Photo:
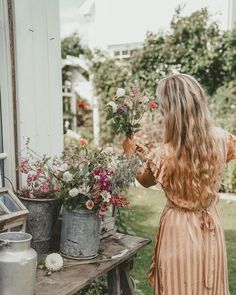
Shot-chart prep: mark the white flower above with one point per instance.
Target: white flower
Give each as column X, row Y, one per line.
column 109, row 151
column 111, row 165
column 67, row 176
column 74, row 192
column 120, row 92
column 54, row 262
column 63, row 167
column 145, row 99
column 106, row 196
column 113, row 105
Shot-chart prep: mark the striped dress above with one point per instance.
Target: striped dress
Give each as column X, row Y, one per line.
column 190, row 254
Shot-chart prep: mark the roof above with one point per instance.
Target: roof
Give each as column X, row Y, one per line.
column 77, row 62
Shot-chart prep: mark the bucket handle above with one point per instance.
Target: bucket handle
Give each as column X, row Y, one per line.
column 4, row 243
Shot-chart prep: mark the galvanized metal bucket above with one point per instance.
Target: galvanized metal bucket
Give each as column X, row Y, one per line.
column 18, row 263
column 41, row 219
column 80, row 234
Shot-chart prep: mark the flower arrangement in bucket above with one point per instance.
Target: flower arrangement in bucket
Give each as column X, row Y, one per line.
column 40, row 194
column 90, row 186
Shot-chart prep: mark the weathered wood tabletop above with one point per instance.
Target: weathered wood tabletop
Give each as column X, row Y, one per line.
column 73, row 278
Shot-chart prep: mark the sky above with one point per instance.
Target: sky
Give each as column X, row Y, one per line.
column 125, row 21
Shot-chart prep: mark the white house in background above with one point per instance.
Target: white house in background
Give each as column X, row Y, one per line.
column 232, row 14
column 124, row 50
column 75, row 68
column 81, row 87
column 30, row 80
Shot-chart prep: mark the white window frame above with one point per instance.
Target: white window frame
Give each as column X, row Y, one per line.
column 7, row 96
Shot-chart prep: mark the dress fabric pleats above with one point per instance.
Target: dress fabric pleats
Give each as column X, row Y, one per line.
column 190, row 254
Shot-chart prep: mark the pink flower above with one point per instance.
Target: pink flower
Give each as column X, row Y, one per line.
column 153, row 106
column 119, row 201
column 46, row 189
column 99, row 172
column 29, row 178
column 40, row 170
column 35, row 176
column 103, row 209
column 57, row 187
column 89, row 204
column 24, row 167
column 83, row 141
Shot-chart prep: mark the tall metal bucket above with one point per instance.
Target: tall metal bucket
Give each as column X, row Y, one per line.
column 41, row 219
column 80, row 234
column 18, row 263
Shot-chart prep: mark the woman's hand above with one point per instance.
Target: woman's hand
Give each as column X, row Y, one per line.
column 141, row 151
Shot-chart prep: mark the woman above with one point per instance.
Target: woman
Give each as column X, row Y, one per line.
column 190, row 255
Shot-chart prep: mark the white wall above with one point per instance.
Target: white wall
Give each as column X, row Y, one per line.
column 38, row 74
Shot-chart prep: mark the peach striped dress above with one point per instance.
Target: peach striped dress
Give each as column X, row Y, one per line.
column 190, row 254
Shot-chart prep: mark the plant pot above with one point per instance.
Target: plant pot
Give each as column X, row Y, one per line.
column 129, row 145
column 80, row 233
column 42, row 216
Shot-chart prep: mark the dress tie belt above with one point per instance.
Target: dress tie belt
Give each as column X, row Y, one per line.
column 208, row 227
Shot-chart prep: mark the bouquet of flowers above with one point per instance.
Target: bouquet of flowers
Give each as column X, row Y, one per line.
column 90, row 179
column 40, row 177
column 126, row 111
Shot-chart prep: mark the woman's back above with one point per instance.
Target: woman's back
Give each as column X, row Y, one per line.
column 158, row 159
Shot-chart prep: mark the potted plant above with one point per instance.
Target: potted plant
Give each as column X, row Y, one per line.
column 39, row 193
column 89, row 187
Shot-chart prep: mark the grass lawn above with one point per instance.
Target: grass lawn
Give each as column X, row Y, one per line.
column 147, row 205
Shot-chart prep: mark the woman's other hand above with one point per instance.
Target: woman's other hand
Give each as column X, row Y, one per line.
column 141, row 151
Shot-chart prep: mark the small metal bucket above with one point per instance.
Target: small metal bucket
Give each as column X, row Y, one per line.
column 80, row 234
column 41, row 219
column 18, row 264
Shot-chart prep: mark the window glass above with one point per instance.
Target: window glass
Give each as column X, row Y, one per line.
column 1, row 147
column 8, row 202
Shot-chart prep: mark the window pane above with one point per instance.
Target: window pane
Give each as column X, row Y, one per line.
column 2, row 183
column 11, row 206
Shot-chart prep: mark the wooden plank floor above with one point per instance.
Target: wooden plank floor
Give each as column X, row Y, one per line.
column 73, row 278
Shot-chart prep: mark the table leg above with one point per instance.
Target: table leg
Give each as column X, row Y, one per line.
column 126, row 283
column 113, row 280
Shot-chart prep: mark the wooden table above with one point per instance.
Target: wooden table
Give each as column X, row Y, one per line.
column 115, row 258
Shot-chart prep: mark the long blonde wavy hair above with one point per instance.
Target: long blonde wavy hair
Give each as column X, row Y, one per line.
column 193, row 168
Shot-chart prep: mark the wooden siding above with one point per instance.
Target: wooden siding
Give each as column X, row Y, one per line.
column 38, row 74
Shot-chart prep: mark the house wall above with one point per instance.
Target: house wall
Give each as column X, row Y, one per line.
column 37, row 78
column 38, row 74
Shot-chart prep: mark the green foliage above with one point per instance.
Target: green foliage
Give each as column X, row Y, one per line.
column 223, row 105
column 195, row 45
column 71, row 45
column 109, row 74
column 97, row 287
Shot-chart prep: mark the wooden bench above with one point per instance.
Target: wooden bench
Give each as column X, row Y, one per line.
column 115, row 259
